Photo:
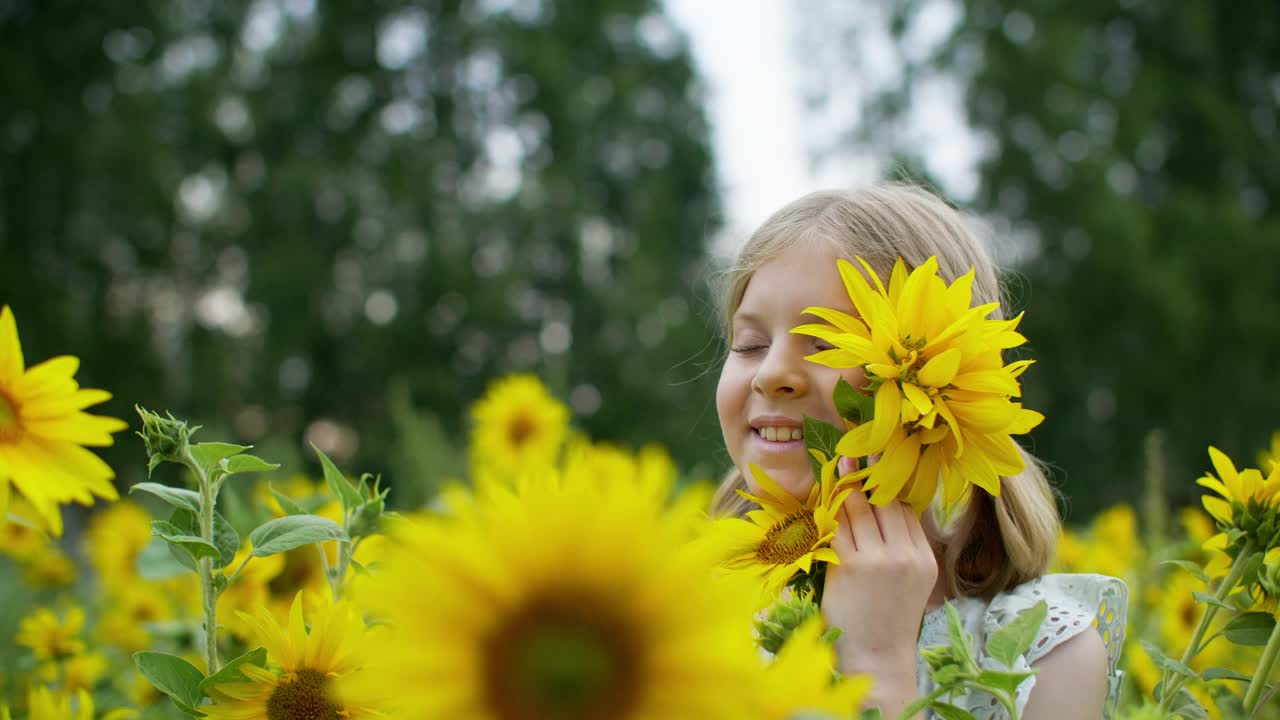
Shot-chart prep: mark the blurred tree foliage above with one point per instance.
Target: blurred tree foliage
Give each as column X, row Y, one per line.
column 1131, row 162
column 270, row 213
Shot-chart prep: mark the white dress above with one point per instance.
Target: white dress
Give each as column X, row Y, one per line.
column 1077, row 603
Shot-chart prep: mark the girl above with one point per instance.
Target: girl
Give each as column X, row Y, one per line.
column 896, row 570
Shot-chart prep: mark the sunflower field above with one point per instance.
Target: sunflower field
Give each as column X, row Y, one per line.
column 587, row 585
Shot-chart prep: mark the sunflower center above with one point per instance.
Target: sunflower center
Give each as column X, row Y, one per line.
column 788, row 540
column 10, row 423
column 303, row 695
column 522, row 428
column 562, row 660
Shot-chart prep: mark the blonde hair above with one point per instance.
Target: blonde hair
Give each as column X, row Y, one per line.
column 990, row 544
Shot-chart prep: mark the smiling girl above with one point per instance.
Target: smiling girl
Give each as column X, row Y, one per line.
column 897, row 569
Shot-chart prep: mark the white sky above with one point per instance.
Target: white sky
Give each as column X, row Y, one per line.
column 760, row 127
column 744, row 56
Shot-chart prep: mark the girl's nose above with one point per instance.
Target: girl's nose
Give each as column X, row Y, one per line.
column 780, row 375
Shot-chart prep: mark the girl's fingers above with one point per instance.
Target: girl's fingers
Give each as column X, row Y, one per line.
column 843, row 543
column 862, row 520
column 845, row 465
column 893, row 526
column 915, row 527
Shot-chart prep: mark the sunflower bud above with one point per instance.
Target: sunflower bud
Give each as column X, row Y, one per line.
column 783, row 619
column 1269, row 574
column 166, row 439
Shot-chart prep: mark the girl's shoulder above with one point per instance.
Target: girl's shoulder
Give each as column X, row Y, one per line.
column 1075, row 602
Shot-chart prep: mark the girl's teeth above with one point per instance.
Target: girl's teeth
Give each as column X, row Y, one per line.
column 781, row 434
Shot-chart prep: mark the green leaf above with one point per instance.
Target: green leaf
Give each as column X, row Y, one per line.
column 339, row 485
column 1217, row 673
column 177, row 497
column 947, row 711
column 173, row 676
column 157, row 562
column 1004, row 681
column 1207, row 599
column 1250, row 629
column 851, row 404
column 207, row 455
column 291, row 531
column 286, row 504
column 821, row 436
column 1196, row 571
column 231, row 671
column 225, row 537
column 194, row 545
column 1012, row 640
column 961, row 640
column 1164, row 661
column 1187, row 706
column 871, row 713
column 248, row 464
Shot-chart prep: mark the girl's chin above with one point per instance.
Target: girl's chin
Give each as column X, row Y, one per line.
column 797, row 482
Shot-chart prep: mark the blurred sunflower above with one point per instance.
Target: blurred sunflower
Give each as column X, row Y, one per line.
column 48, row 567
column 127, row 619
column 1248, row 509
column 81, row 672
column 45, row 704
column 112, row 542
column 517, row 425
column 784, row 536
column 51, row 637
column 942, row 390
column 305, row 660
column 250, row 590
column 802, row 679
column 43, row 431
column 559, row 597
column 22, row 531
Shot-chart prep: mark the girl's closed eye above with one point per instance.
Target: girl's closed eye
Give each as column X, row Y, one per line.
column 748, row 347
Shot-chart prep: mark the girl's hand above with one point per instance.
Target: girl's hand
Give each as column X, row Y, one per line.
column 878, row 594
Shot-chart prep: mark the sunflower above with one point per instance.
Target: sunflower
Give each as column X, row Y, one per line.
column 43, row 427
column 305, row 659
column 23, row 531
column 561, row 597
column 784, row 536
column 44, row 704
column 1248, row 510
column 801, row 680
column 48, row 567
column 942, row 391
column 517, row 424
column 51, row 637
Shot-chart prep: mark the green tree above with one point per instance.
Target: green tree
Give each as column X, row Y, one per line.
column 1131, row 154
column 264, row 212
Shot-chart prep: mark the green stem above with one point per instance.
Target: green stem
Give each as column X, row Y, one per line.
column 1265, row 665
column 914, row 708
column 209, row 594
column 1171, row 683
column 236, row 574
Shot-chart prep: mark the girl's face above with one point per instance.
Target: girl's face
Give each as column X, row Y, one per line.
column 766, row 386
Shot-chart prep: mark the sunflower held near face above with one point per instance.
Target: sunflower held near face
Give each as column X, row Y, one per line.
column 943, row 395
column 784, row 536
column 559, row 596
column 44, row 431
column 305, row 660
